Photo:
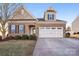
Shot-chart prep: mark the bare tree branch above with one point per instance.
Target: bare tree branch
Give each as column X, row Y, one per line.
column 6, row 10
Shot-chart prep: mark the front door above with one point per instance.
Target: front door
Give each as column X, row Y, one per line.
column 33, row 31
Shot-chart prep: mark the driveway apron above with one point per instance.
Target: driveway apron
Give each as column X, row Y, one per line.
column 56, row 47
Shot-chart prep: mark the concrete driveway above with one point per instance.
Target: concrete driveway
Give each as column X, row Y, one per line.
column 56, row 47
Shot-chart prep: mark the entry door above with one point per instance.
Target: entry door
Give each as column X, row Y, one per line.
column 51, row 32
column 33, row 31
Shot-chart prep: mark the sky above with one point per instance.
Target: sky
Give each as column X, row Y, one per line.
column 65, row 11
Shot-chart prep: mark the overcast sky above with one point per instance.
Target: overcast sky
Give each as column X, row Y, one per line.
column 65, row 11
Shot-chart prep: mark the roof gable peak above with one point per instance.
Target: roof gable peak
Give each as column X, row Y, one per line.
column 22, row 13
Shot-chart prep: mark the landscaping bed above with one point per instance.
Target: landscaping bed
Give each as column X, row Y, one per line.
column 19, row 37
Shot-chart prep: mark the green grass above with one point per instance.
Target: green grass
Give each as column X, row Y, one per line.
column 17, row 48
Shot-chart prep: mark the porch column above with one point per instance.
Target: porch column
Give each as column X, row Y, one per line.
column 17, row 29
column 9, row 29
column 37, row 31
column 27, row 29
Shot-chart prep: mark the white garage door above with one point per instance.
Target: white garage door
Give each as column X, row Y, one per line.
column 51, row 32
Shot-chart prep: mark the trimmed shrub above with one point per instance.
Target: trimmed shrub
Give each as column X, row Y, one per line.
column 0, row 38
column 77, row 32
column 32, row 37
column 67, row 34
column 25, row 37
column 9, row 38
column 18, row 37
column 74, row 33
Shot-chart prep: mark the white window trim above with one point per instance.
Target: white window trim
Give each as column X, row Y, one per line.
column 13, row 25
column 21, row 29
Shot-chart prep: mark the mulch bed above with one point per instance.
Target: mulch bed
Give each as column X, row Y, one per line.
column 1, row 40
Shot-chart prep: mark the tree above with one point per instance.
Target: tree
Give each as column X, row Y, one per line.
column 6, row 10
column 68, row 28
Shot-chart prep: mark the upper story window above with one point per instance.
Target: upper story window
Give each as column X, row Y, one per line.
column 21, row 28
column 13, row 28
column 50, row 16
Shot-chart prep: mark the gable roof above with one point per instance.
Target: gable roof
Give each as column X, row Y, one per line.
column 22, row 13
column 40, row 19
column 21, row 19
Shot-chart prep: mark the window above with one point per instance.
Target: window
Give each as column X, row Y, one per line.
column 53, row 28
column 47, row 27
column 50, row 16
column 41, row 28
column 59, row 28
column 13, row 28
column 53, row 16
column 21, row 28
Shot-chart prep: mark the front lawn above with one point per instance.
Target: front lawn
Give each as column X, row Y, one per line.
column 17, row 47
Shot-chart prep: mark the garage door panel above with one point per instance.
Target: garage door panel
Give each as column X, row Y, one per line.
column 51, row 32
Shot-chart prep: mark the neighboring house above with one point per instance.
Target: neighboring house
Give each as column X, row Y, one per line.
column 75, row 26
column 23, row 22
column 68, row 29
